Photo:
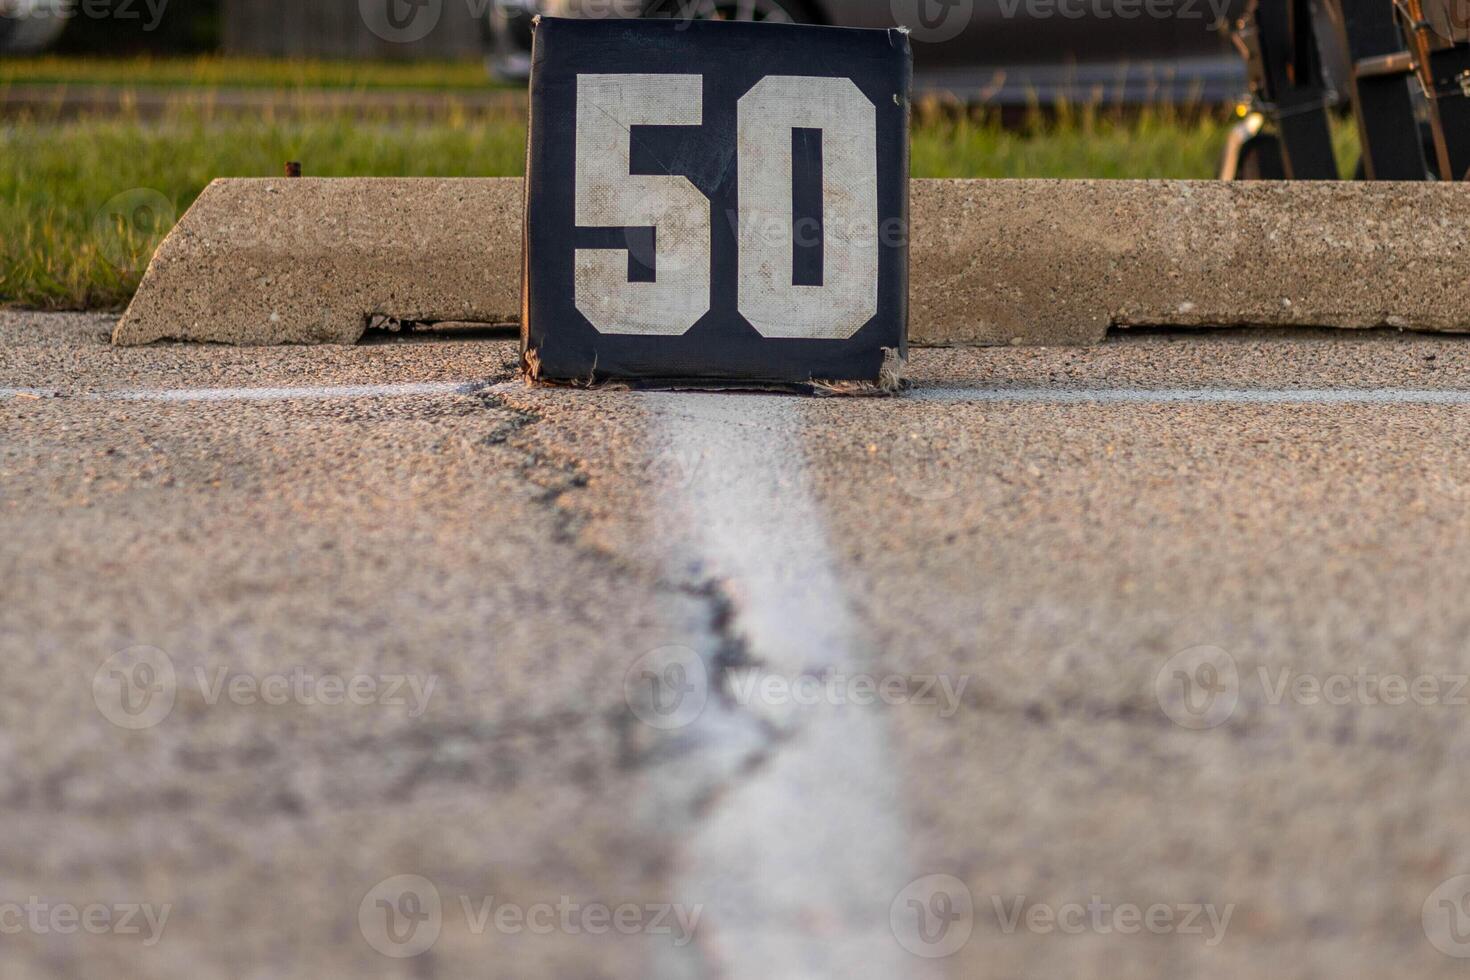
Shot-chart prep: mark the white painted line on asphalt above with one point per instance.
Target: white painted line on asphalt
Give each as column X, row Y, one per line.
column 816, row 834
column 1220, row 396
column 309, row 393
column 306, row 393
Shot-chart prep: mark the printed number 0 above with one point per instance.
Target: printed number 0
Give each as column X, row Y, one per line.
column 609, row 196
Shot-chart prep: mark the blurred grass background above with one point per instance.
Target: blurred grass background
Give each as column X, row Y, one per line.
column 213, row 70
column 73, row 237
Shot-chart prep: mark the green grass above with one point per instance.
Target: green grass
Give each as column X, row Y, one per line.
column 1072, row 144
column 243, row 73
column 83, row 203
column 62, row 246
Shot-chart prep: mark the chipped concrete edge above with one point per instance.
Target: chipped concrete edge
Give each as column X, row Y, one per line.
column 311, row 261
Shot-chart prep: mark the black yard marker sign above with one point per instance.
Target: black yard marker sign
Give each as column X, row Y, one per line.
column 712, row 202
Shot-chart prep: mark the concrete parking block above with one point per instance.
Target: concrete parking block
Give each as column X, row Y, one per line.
column 993, row 262
column 302, row 261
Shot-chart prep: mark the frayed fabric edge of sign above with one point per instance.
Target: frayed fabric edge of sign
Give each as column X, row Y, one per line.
column 891, row 381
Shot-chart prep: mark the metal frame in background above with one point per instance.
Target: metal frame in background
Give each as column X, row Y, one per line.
column 1406, row 76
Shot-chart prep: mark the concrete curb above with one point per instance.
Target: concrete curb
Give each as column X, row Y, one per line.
column 311, row 261
column 1057, row 262
column 993, row 262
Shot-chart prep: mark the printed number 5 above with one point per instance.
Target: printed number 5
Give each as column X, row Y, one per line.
column 608, row 195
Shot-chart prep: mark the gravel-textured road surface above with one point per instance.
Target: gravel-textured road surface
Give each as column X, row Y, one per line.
column 1143, row 660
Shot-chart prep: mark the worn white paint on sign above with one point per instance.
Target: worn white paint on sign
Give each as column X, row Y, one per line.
column 848, row 295
column 609, row 195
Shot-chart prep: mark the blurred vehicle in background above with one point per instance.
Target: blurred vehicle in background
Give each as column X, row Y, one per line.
column 30, row 26
column 1003, row 52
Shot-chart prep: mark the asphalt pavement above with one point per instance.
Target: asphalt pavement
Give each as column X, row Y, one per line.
column 1146, row 659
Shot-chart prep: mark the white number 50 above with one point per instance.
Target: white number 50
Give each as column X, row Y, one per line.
column 608, row 195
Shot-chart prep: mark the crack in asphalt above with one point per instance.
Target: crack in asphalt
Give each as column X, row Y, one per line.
column 729, row 651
